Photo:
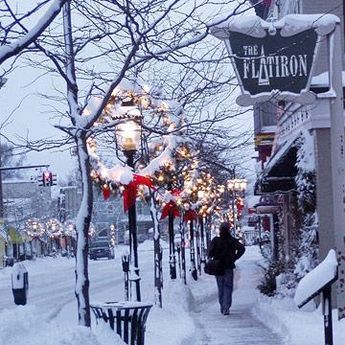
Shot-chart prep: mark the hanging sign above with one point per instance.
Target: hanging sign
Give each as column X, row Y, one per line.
column 274, row 59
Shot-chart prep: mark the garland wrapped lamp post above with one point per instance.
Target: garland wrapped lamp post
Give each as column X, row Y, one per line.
column 128, row 135
column 171, row 211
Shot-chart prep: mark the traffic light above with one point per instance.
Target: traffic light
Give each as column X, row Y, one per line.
column 47, row 179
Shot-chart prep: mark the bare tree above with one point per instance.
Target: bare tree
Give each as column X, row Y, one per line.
column 9, row 158
column 97, row 45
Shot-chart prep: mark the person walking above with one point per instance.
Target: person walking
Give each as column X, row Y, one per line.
column 227, row 249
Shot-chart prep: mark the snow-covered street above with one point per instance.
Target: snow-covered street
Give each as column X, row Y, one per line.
column 190, row 314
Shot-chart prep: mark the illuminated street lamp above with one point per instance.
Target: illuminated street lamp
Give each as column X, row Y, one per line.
column 236, row 186
column 128, row 137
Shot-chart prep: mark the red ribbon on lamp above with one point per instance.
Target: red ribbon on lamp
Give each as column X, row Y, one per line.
column 106, row 192
column 170, row 207
column 131, row 190
column 176, row 192
column 190, row 215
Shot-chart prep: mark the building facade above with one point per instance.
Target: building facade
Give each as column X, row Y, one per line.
column 22, row 200
column 299, row 163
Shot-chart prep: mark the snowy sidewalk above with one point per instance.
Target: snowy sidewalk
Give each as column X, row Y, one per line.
column 240, row 327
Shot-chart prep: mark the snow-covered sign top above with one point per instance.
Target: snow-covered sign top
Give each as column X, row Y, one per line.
column 312, row 284
column 274, row 59
column 291, row 24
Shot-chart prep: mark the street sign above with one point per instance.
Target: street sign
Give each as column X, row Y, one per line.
column 274, row 59
column 273, row 62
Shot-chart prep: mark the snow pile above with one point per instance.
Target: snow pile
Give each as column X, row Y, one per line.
column 172, row 325
column 26, row 325
column 300, row 327
column 54, row 322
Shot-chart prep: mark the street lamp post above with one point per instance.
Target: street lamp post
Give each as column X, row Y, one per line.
column 132, row 226
column 128, row 134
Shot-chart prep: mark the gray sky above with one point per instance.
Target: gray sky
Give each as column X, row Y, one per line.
column 33, row 116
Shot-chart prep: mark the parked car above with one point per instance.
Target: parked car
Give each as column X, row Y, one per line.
column 101, row 249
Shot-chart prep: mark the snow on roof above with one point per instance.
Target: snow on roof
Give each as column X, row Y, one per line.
column 17, row 201
column 291, row 24
column 323, row 79
column 315, row 280
column 252, row 200
column 281, row 152
column 308, row 161
column 13, row 181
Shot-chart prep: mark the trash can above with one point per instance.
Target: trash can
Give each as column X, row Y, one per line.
column 20, row 283
column 127, row 319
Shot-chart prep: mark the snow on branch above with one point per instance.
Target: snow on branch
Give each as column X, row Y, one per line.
column 12, row 49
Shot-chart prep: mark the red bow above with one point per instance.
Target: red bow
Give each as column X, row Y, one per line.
column 190, row 215
column 106, row 192
column 130, row 192
column 239, row 205
column 170, row 207
column 175, row 192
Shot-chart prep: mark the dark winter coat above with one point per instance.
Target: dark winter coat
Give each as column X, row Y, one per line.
column 228, row 249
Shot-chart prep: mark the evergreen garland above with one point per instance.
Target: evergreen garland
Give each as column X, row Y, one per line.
column 307, row 254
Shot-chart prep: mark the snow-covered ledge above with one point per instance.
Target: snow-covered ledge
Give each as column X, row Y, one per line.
column 316, row 280
column 291, row 24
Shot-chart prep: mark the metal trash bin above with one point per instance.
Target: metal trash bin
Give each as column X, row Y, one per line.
column 127, row 319
column 20, row 283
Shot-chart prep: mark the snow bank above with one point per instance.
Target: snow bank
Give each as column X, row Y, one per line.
column 26, row 325
column 172, row 325
column 299, row 327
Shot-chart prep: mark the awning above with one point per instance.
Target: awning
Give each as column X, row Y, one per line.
column 14, row 236
column 264, row 209
column 280, row 171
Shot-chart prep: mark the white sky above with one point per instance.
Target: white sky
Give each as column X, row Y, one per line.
column 33, row 118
